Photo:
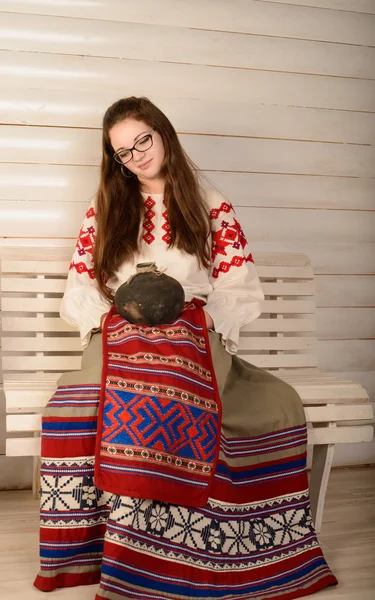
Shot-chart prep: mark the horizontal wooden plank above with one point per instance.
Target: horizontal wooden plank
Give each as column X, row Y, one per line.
column 243, row 16
column 266, row 272
column 114, row 39
column 356, row 6
column 347, row 355
column 36, row 363
column 321, row 414
column 30, row 106
column 37, row 324
column 335, row 393
column 266, row 361
column 345, row 291
column 289, row 306
column 23, row 400
column 83, row 146
column 23, row 423
column 283, row 343
column 327, row 257
column 340, row 435
column 41, row 344
column 304, row 191
column 33, row 422
column 338, row 323
column 364, row 378
column 31, row 446
column 41, row 266
column 35, row 305
column 28, row 284
column 305, row 288
column 23, row 446
column 122, row 77
column 286, row 324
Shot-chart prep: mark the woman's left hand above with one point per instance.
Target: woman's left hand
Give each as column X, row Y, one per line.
column 209, row 321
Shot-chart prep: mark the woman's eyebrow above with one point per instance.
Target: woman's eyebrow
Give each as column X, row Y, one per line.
column 139, row 135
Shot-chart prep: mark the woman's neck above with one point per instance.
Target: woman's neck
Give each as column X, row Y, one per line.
column 153, row 187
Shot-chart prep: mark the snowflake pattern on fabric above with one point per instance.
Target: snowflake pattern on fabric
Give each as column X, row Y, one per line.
column 148, row 224
column 229, row 236
column 196, row 530
column 85, row 245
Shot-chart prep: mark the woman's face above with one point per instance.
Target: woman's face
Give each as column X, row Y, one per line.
column 145, row 164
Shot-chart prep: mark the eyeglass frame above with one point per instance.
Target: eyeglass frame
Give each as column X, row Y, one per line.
column 118, row 160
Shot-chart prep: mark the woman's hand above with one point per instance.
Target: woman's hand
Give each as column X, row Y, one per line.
column 209, row 321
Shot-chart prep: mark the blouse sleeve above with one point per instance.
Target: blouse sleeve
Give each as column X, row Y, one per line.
column 237, row 296
column 82, row 304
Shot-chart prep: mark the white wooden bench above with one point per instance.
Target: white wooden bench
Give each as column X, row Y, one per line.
column 37, row 346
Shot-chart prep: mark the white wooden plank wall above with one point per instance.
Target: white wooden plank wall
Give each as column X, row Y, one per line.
column 275, row 100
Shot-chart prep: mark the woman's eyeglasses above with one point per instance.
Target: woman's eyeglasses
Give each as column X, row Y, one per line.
column 123, row 156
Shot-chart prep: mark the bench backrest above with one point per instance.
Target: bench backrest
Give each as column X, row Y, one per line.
column 36, row 340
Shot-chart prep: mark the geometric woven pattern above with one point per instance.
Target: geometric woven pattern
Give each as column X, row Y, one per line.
column 158, row 424
column 159, row 418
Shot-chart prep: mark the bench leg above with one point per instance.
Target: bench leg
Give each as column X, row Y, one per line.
column 321, row 467
column 36, row 477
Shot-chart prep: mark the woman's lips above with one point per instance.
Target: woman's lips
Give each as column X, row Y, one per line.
column 145, row 165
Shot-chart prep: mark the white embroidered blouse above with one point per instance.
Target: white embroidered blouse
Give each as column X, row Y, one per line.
column 230, row 287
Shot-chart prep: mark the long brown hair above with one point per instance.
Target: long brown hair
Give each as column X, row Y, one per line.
column 120, row 206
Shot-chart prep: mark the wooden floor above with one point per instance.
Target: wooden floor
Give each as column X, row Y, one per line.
column 347, row 539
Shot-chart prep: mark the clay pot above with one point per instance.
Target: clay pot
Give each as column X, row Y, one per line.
column 150, row 297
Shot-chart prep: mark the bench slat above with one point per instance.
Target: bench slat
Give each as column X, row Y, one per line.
column 38, row 267
column 36, row 305
column 275, row 361
column 289, row 324
column 274, row 343
column 273, row 272
column 33, row 285
column 44, row 344
column 37, row 324
column 40, row 363
column 303, row 288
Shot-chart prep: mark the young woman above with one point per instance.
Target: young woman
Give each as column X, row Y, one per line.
column 170, row 467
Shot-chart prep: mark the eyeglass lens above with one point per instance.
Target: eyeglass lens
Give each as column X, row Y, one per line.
column 142, row 145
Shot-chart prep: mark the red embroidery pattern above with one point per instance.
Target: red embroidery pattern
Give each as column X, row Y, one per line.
column 148, row 224
column 230, row 234
column 166, row 227
column 85, row 245
column 236, row 261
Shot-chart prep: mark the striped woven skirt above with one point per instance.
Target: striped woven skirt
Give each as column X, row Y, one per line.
column 254, row 538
